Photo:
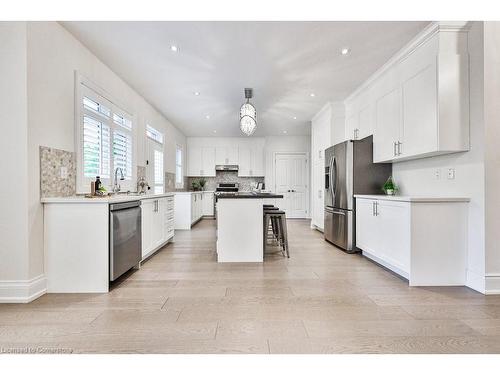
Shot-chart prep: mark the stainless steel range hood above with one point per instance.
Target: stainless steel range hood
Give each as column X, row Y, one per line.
column 227, row 168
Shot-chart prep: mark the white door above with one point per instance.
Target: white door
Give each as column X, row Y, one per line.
column 291, row 174
column 318, row 201
column 147, row 212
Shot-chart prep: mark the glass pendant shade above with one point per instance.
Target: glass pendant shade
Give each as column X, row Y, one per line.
column 247, row 125
column 248, row 109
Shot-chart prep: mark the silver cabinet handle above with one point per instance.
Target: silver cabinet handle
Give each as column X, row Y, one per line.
column 399, row 148
column 373, row 208
column 376, row 208
column 395, row 146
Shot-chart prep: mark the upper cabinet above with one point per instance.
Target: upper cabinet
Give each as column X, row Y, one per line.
column 205, row 153
column 226, row 155
column 417, row 105
column 251, row 160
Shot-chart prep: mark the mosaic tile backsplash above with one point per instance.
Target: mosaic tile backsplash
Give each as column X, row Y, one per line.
column 245, row 183
column 51, row 182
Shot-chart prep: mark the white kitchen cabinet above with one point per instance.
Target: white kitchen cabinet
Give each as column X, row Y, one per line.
column 157, row 223
column 225, row 155
column 208, row 203
column 421, row 239
column 251, row 160
column 188, row 209
column 418, row 103
column 201, row 161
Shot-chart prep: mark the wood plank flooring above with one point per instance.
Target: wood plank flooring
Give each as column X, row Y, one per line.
column 321, row 300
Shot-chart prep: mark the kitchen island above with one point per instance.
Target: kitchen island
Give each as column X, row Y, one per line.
column 239, row 226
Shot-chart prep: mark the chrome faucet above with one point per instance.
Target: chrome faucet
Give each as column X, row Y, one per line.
column 116, row 185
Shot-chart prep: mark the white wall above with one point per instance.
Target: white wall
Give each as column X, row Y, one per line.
column 13, row 155
column 417, row 177
column 53, row 55
column 492, row 153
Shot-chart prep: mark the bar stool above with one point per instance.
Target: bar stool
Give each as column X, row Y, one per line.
column 272, row 224
column 278, row 224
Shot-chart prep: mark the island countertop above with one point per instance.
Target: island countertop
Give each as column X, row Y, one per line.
column 248, row 195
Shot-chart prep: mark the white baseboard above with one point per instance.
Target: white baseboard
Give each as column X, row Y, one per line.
column 22, row 291
column 492, row 283
column 475, row 281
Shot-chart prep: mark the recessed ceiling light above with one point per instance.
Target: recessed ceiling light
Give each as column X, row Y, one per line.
column 345, row 51
column 196, row 93
column 215, row 131
column 312, row 95
column 295, row 117
column 174, row 48
column 284, row 132
column 207, row 117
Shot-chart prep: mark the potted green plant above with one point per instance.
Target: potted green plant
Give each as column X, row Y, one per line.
column 390, row 188
column 202, row 183
column 195, row 185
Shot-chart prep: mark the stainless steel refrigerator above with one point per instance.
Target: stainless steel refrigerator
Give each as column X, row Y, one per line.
column 349, row 170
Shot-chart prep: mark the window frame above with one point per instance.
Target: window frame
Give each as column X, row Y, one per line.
column 179, row 185
column 86, row 88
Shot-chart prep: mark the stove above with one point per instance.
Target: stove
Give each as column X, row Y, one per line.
column 226, row 187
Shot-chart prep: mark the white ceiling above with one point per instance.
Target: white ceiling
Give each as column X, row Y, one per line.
column 282, row 61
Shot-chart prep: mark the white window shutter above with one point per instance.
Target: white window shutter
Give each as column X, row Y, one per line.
column 96, row 148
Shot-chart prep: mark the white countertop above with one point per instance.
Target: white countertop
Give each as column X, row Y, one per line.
column 402, row 198
column 107, row 200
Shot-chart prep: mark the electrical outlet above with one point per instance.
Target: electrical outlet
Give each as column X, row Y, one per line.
column 437, row 174
column 64, row 172
column 451, row 173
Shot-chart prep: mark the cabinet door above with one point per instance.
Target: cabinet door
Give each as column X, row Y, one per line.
column 365, row 126
column 208, row 161
column 367, row 231
column 257, row 161
column 194, row 161
column 147, row 208
column 394, row 232
column 193, row 207
column 208, row 204
column 387, row 125
column 169, row 218
column 420, row 124
column 232, row 155
column 351, row 124
column 245, row 161
column 220, row 155
column 318, row 202
column 158, row 222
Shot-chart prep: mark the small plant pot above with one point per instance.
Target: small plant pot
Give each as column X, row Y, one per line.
column 389, row 192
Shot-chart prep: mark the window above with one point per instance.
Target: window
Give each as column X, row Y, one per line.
column 154, row 134
column 105, row 140
column 179, row 178
column 158, row 172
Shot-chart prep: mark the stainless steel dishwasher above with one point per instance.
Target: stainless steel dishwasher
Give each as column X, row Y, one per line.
column 124, row 237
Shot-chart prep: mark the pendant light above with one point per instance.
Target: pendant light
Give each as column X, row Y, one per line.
column 248, row 115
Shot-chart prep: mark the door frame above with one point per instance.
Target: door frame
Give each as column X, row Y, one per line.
column 308, row 176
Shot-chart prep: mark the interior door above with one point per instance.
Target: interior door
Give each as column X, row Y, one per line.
column 291, row 177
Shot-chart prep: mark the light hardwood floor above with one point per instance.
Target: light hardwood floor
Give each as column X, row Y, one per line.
column 321, row 300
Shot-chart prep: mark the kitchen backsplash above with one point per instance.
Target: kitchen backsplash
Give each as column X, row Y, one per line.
column 245, row 183
column 52, row 184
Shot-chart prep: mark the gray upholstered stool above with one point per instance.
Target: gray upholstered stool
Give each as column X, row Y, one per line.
column 277, row 218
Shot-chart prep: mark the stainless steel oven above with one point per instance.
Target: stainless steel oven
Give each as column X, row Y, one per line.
column 124, row 237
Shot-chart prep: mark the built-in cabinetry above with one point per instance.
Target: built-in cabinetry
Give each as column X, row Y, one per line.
column 417, row 105
column 421, row 239
column 157, row 223
column 326, row 130
column 205, row 153
column 188, row 208
column 208, row 203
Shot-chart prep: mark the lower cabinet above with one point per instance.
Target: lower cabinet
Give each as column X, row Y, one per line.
column 422, row 239
column 208, row 203
column 188, row 209
column 157, row 223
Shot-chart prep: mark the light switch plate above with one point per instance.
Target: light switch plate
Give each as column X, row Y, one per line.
column 451, row 173
column 64, row 172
